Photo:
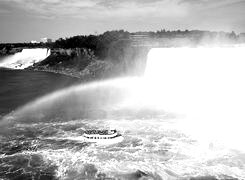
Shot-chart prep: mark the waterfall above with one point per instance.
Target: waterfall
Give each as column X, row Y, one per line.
column 204, row 84
column 25, row 58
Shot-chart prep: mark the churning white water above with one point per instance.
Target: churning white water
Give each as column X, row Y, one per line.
column 204, row 84
column 25, row 58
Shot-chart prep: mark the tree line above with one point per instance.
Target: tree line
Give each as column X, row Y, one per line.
column 104, row 44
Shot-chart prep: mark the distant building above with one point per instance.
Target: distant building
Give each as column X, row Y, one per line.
column 34, row 42
column 140, row 38
column 49, row 40
column 242, row 34
column 242, row 37
column 46, row 40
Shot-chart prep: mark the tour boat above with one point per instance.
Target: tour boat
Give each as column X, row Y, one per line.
column 102, row 136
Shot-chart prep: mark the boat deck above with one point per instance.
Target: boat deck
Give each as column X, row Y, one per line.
column 100, row 132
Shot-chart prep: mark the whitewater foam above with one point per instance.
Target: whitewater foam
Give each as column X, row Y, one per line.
column 158, row 147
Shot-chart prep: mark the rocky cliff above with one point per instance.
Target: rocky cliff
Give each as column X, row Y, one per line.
column 84, row 64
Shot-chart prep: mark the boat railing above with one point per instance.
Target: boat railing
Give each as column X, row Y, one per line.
column 100, row 132
column 99, row 137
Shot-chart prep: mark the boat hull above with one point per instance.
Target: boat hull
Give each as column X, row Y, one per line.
column 115, row 140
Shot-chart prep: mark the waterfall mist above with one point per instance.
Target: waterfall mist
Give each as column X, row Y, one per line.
column 206, row 85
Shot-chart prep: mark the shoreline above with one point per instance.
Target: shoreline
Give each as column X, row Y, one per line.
column 76, row 75
column 85, row 78
column 55, row 72
column 39, row 70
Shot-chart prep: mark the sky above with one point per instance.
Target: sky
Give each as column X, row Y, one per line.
column 26, row 20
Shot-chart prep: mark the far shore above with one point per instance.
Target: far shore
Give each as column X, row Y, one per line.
column 44, row 70
column 56, row 72
column 73, row 74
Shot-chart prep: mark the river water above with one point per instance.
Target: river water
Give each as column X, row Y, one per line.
column 18, row 87
column 40, row 133
column 178, row 122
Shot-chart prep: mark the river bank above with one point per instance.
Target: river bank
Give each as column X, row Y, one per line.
column 95, row 70
column 66, row 73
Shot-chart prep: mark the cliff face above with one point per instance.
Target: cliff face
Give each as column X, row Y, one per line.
column 77, row 62
column 83, row 63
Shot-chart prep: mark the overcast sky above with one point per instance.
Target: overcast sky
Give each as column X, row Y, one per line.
column 25, row 20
